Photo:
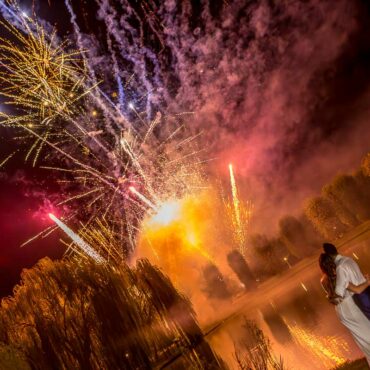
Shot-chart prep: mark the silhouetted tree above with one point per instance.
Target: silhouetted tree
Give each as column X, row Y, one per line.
column 215, row 285
column 346, row 189
column 313, row 238
column 78, row 315
column 345, row 215
column 363, row 182
column 268, row 256
column 239, row 265
column 321, row 212
column 296, row 236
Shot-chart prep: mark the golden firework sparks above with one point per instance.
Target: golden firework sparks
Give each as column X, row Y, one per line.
column 6, row 159
column 240, row 213
column 78, row 133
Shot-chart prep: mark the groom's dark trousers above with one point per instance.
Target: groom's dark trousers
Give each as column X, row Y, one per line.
column 362, row 300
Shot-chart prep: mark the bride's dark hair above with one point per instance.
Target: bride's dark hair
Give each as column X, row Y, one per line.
column 328, row 267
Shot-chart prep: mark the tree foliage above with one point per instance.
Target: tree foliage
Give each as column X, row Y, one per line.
column 215, row 285
column 350, row 194
column 72, row 315
column 344, row 203
column 11, row 359
column 321, row 212
column 298, row 236
column 241, row 268
column 268, row 256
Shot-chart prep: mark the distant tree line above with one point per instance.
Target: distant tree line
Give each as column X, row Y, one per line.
column 73, row 315
column 344, row 203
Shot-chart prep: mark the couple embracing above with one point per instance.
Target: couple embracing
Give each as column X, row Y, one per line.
column 349, row 290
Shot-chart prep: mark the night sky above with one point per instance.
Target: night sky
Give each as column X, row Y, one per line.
column 282, row 90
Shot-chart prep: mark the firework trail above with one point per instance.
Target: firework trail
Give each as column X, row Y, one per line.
column 142, row 197
column 240, row 214
column 236, row 204
column 87, row 249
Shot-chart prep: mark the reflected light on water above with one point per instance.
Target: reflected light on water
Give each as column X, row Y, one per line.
column 328, row 350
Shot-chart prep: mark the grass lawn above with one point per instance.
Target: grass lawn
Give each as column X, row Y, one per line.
column 355, row 365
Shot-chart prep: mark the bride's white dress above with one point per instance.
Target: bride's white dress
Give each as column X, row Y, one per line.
column 356, row 322
column 348, row 312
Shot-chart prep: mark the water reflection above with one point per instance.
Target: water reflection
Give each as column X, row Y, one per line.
column 326, row 351
column 276, row 324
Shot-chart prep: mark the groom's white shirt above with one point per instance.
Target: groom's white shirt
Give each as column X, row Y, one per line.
column 347, row 272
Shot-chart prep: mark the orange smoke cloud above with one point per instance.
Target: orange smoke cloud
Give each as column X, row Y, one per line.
column 177, row 237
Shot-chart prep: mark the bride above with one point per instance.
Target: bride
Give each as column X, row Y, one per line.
column 348, row 312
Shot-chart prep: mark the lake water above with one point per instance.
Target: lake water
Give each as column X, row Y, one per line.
column 295, row 315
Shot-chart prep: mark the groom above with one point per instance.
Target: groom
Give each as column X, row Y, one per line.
column 349, row 272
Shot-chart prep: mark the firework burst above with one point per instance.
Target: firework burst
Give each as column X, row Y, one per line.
column 112, row 160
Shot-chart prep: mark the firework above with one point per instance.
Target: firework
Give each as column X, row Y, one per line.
column 142, row 197
column 239, row 213
column 100, row 150
column 78, row 241
column 178, row 236
column 236, row 206
column 5, row 160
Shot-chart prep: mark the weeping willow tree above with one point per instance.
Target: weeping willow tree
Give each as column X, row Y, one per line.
column 72, row 315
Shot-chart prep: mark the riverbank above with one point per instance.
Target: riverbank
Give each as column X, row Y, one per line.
column 355, row 365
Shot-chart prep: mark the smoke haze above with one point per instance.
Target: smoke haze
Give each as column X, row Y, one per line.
column 276, row 90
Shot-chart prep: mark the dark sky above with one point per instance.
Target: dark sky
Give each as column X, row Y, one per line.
column 279, row 88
